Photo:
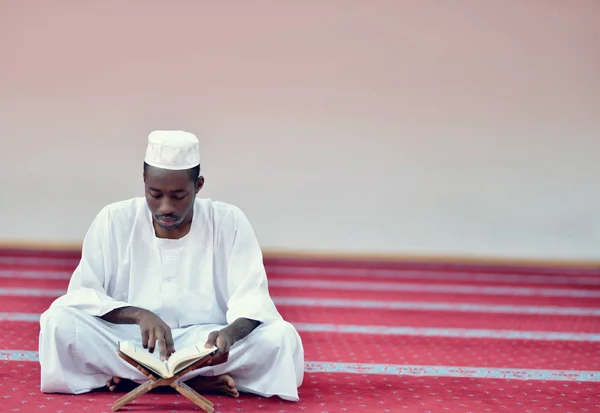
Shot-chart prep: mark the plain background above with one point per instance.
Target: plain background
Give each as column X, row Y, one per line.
column 467, row 128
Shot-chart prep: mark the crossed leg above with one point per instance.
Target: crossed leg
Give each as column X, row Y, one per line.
column 78, row 354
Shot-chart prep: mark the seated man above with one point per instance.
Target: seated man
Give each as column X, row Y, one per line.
column 170, row 271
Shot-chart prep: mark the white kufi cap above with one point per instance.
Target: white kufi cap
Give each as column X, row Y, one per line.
column 176, row 150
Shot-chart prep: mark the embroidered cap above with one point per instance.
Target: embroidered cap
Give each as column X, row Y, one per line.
column 176, row 150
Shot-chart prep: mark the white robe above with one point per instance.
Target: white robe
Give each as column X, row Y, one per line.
column 196, row 284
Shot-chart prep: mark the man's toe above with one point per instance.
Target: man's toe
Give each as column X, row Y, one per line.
column 113, row 383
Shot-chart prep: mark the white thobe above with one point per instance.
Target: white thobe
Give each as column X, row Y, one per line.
column 196, row 284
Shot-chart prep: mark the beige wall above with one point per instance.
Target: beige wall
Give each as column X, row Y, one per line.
column 434, row 127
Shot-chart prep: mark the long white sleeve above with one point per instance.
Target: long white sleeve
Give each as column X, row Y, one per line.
column 87, row 288
column 246, row 276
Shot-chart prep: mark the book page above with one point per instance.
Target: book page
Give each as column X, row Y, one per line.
column 186, row 356
column 144, row 357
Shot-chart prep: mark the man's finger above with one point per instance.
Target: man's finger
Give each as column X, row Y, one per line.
column 222, row 345
column 145, row 338
column 162, row 346
column 212, row 339
column 151, row 341
column 170, row 343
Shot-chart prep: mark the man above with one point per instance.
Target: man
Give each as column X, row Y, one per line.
column 170, row 271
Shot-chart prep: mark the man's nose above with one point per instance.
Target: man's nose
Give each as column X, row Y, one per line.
column 166, row 208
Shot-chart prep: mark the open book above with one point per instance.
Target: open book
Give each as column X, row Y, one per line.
column 177, row 361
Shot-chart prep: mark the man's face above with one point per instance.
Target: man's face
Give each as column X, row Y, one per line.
column 170, row 196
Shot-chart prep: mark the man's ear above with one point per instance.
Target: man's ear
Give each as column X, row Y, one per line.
column 199, row 183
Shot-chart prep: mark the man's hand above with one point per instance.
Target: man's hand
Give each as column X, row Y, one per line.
column 155, row 330
column 228, row 336
column 223, row 339
column 152, row 327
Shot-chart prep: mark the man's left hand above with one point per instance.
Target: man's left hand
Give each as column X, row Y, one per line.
column 223, row 339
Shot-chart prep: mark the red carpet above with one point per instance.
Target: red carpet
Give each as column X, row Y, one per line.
column 417, row 337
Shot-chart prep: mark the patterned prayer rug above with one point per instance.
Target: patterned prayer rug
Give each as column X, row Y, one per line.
column 378, row 337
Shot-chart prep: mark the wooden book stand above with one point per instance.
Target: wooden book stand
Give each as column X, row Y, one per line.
column 175, row 382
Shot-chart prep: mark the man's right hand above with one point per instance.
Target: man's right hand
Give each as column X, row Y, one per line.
column 156, row 331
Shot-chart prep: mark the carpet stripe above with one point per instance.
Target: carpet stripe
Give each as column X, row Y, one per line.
column 19, row 355
column 357, row 272
column 57, row 279
column 27, row 317
column 432, row 306
column 411, row 331
column 400, row 330
column 388, row 305
column 399, row 369
column 448, row 332
column 29, row 274
column 425, row 275
column 423, row 319
column 387, row 296
column 43, row 258
column 462, row 372
column 382, row 316
column 39, row 261
column 443, row 289
column 49, row 284
column 362, row 286
column 32, row 292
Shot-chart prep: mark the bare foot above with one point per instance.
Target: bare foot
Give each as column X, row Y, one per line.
column 118, row 384
column 214, row 384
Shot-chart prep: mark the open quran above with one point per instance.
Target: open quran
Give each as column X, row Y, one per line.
column 177, row 361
